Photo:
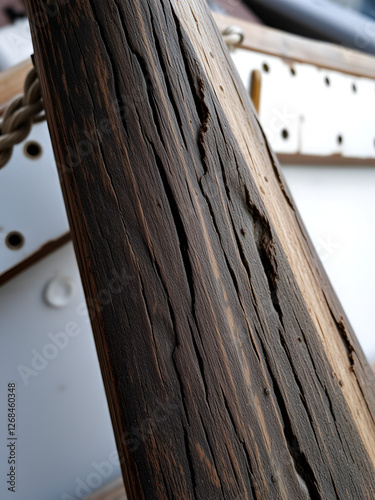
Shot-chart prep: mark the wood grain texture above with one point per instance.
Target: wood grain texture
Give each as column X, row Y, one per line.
column 206, row 298
column 340, row 344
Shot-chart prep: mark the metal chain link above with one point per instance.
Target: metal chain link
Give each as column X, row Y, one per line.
column 233, row 35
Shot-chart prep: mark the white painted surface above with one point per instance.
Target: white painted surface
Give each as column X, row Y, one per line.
column 31, row 202
column 63, row 423
column 315, row 106
column 15, row 43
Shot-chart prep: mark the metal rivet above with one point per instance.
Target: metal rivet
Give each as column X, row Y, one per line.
column 233, row 35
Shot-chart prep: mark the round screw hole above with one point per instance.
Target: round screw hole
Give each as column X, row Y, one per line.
column 285, row 134
column 15, row 240
column 340, row 139
column 327, row 81
column 32, row 150
column 266, row 68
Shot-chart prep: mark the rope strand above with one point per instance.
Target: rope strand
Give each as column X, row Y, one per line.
column 20, row 116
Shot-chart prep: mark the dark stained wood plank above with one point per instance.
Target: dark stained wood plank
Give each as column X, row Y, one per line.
column 334, row 159
column 219, row 380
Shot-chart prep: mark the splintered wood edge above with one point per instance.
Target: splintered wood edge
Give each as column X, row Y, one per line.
column 325, row 310
column 299, row 49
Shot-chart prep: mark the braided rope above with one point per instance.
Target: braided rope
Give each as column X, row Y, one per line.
column 20, row 115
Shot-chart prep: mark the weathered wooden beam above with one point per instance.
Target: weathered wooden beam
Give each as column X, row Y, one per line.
column 230, row 369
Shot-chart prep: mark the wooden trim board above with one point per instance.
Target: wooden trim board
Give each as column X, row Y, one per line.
column 266, row 40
